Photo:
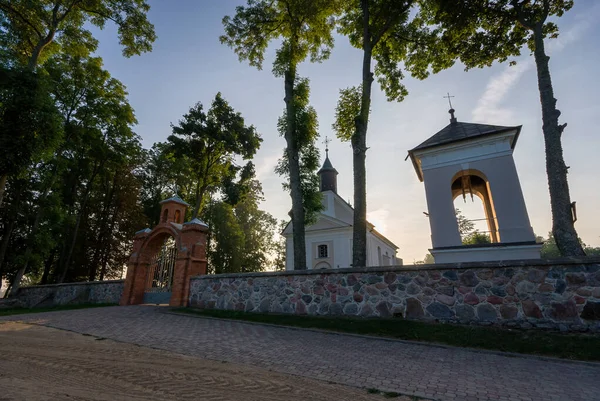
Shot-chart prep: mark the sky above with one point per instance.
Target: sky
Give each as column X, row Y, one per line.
column 188, row 65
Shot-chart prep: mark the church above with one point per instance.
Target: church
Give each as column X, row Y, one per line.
column 329, row 239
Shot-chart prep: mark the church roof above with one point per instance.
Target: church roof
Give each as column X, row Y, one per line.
column 175, row 199
column 460, row 131
column 327, row 166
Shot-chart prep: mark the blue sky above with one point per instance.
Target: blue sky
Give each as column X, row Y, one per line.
column 188, row 64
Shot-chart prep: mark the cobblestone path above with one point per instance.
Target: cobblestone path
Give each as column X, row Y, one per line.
column 426, row 371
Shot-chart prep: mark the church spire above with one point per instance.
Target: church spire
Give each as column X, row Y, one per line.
column 327, row 173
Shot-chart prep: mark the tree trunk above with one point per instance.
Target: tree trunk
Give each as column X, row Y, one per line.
column 3, row 180
column 563, row 227
column 48, row 266
column 298, row 233
column 359, row 148
column 5, row 240
column 14, row 288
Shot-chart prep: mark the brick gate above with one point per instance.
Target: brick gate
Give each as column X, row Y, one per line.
column 164, row 258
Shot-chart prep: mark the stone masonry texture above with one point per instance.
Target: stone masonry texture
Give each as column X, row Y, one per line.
column 97, row 292
column 541, row 294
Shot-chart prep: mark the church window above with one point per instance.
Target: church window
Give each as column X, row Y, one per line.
column 322, row 251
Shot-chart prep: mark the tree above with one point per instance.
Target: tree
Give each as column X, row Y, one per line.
column 34, row 30
column 39, row 28
column 306, row 125
column 482, row 31
column 390, row 32
column 210, row 142
column 476, row 238
column 30, row 125
column 242, row 238
column 68, row 197
column 465, row 226
column 550, row 249
column 305, row 29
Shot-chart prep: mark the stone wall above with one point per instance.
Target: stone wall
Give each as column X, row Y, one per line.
column 561, row 294
column 96, row 292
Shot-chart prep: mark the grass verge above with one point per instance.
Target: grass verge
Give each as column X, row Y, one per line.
column 22, row 311
column 584, row 347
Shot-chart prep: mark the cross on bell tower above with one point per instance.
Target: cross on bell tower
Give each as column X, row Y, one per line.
column 451, row 111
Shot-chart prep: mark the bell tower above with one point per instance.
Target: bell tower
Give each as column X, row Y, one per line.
column 467, row 159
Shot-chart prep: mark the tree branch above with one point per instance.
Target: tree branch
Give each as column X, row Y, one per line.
column 7, row 8
column 521, row 16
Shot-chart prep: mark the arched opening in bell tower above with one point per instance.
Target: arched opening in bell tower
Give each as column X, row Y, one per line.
column 472, row 195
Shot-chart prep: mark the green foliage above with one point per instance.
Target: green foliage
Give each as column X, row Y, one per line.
column 550, row 249
column 476, row 238
column 305, row 136
column 304, row 27
column 208, row 143
column 480, row 32
column 346, row 113
column 30, row 125
column 465, row 226
column 37, row 29
column 74, row 215
column 400, row 38
column 242, row 238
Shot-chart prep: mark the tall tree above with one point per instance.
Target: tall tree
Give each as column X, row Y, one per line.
column 210, row 141
column 305, row 30
column 306, row 125
column 389, row 32
column 33, row 30
column 483, row 31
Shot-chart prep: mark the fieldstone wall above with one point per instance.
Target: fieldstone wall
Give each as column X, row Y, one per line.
column 95, row 292
column 560, row 294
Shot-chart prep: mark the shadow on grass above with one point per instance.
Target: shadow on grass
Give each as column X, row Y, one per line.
column 22, row 311
column 584, row 347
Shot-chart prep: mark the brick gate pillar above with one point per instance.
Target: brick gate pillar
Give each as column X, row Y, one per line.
column 191, row 260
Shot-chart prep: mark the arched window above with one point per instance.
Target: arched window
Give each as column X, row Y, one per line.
column 177, row 216
column 165, row 214
column 322, row 251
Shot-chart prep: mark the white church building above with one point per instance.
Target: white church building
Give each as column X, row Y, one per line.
column 329, row 240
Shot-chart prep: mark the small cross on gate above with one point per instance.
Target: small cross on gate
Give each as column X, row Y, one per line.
column 448, row 97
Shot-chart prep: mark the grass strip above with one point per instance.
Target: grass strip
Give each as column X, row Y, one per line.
column 581, row 346
column 22, row 311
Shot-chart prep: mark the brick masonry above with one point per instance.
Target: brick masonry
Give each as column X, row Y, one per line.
column 97, row 292
column 562, row 294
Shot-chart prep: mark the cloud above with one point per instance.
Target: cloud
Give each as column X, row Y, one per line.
column 266, row 166
column 489, row 108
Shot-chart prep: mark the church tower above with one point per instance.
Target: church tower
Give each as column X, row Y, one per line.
column 328, row 173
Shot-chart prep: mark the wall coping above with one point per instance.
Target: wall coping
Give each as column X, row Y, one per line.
column 411, row 268
column 70, row 284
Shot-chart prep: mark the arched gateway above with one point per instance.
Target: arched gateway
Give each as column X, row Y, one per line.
column 164, row 258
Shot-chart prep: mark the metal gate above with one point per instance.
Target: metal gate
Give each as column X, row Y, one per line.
column 160, row 274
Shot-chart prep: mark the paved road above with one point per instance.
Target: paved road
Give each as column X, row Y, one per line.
column 426, row 371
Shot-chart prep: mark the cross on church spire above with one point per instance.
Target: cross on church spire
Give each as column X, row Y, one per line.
column 326, row 142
